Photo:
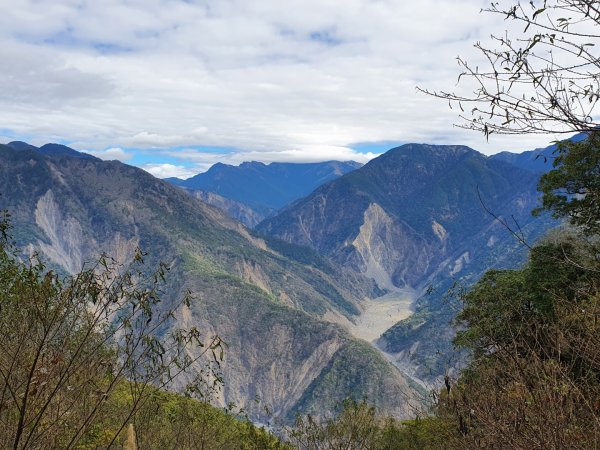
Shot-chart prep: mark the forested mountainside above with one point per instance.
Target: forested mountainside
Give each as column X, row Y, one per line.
column 532, row 332
column 263, row 188
column 411, row 213
column 281, row 357
column 420, row 216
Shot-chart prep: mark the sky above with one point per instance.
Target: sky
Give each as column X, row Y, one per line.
column 174, row 86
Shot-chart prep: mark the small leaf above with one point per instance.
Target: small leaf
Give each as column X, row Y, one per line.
column 538, row 12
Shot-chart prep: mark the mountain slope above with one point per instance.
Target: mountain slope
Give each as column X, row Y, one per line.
column 265, row 188
column 410, row 213
column 538, row 160
column 232, row 208
column 419, row 216
column 266, row 306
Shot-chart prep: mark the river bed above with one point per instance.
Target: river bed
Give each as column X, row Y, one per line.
column 379, row 314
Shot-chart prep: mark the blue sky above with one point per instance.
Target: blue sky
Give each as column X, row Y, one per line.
column 174, row 86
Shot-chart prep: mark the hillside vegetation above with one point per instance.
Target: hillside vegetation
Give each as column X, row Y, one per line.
column 262, row 301
column 534, row 339
column 71, row 378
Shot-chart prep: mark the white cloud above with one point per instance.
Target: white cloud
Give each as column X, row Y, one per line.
column 296, row 80
column 111, row 154
column 169, row 170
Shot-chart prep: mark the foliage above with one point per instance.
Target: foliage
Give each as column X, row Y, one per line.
column 358, row 427
column 541, row 75
column 354, row 428
column 346, row 371
column 169, row 420
column 534, row 380
column 572, row 188
column 67, row 344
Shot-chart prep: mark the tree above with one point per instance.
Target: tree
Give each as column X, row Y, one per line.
column 67, row 345
column 541, row 76
column 355, row 428
column 534, row 380
column 358, row 427
column 534, row 334
column 572, row 188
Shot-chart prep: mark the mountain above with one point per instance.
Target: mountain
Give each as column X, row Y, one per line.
column 50, row 149
column 538, row 160
column 265, row 298
column 264, row 188
column 419, row 216
column 237, row 210
column 409, row 213
column 20, row 145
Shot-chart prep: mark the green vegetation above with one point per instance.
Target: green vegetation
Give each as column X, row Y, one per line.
column 534, row 381
column 168, row 420
column 84, row 356
column 572, row 189
column 346, row 372
column 534, row 337
column 358, row 427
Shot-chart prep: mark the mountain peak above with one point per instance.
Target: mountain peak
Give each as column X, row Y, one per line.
column 249, row 164
column 20, row 146
column 49, row 149
column 63, row 150
column 441, row 150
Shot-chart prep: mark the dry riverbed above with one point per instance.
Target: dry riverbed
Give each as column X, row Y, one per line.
column 381, row 313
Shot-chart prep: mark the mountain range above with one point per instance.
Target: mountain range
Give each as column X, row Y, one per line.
column 339, row 292
column 416, row 218
column 253, row 191
column 268, row 302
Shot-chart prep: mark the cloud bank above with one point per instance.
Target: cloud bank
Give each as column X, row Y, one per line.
column 174, row 86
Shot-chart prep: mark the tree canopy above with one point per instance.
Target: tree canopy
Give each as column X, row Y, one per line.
column 572, row 188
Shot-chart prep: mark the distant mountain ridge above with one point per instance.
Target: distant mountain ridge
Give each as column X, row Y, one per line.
column 264, row 188
column 50, row 149
column 538, row 160
column 403, row 214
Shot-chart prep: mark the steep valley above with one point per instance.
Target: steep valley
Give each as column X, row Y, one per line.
column 266, row 300
column 343, row 293
column 419, row 219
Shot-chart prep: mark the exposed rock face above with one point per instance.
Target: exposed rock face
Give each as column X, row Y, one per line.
column 66, row 246
column 263, row 302
column 389, row 251
column 410, row 214
column 237, row 210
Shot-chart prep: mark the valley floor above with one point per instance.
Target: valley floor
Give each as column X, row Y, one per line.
column 382, row 313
